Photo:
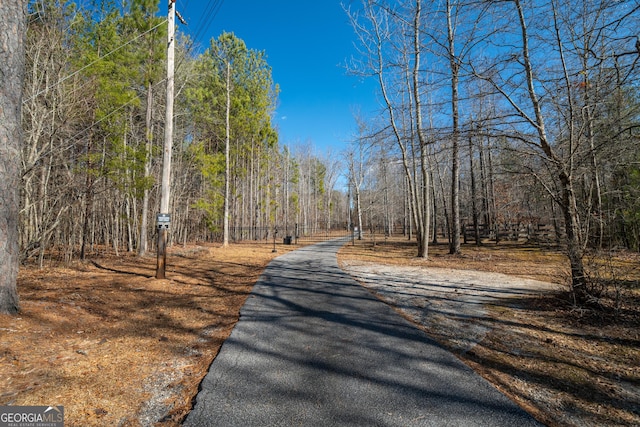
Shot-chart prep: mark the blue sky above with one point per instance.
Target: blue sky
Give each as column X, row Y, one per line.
column 307, row 44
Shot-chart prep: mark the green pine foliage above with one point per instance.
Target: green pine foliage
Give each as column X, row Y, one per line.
column 253, row 95
column 94, row 124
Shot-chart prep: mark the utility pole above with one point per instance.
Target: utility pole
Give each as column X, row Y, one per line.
column 164, row 218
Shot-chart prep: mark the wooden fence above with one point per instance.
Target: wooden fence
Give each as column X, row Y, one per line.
column 510, row 232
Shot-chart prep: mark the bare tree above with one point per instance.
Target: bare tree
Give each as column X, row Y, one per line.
column 454, row 63
column 356, row 158
column 567, row 197
column 47, row 122
column 539, row 86
column 333, row 165
column 391, row 40
column 227, row 162
column 12, row 34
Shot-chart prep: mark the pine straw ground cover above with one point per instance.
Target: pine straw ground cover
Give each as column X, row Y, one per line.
column 568, row 366
column 117, row 347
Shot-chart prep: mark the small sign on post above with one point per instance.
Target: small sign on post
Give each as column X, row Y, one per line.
column 163, row 220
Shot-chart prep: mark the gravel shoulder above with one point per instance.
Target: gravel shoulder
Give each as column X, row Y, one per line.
column 504, row 318
column 450, row 303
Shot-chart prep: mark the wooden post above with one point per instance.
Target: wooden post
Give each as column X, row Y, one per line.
column 162, row 253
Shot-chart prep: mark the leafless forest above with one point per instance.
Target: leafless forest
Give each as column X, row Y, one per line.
column 502, row 117
column 497, row 120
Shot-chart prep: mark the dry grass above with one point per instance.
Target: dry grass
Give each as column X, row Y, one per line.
column 116, row 346
column 567, row 366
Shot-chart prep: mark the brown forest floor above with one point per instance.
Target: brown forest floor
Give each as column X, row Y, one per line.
column 117, row 347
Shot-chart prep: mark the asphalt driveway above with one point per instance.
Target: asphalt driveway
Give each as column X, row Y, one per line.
column 314, row 348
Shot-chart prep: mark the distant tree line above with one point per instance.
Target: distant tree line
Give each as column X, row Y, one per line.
column 93, row 121
column 493, row 113
column 498, row 112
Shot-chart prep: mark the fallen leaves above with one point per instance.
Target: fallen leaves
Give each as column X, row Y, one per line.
column 114, row 345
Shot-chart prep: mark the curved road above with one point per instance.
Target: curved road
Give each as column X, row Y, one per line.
column 314, row 348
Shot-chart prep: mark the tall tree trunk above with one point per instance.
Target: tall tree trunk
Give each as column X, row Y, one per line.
column 484, row 184
column 422, row 225
column 227, row 170
column 356, row 177
column 595, row 182
column 420, row 218
column 143, row 239
column 474, row 205
column 88, row 201
column 491, row 201
column 358, row 211
column 408, row 220
column 445, row 209
column 595, row 200
column 434, row 204
column 385, row 198
column 12, row 42
column 568, row 202
column 454, row 246
column 575, row 249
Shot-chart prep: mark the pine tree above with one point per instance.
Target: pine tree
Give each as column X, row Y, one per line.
column 12, row 33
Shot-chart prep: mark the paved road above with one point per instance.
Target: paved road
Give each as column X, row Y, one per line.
column 313, row 348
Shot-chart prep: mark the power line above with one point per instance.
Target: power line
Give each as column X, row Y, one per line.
column 211, row 11
column 91, row 63
column 74, row 138
column 210, row 8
